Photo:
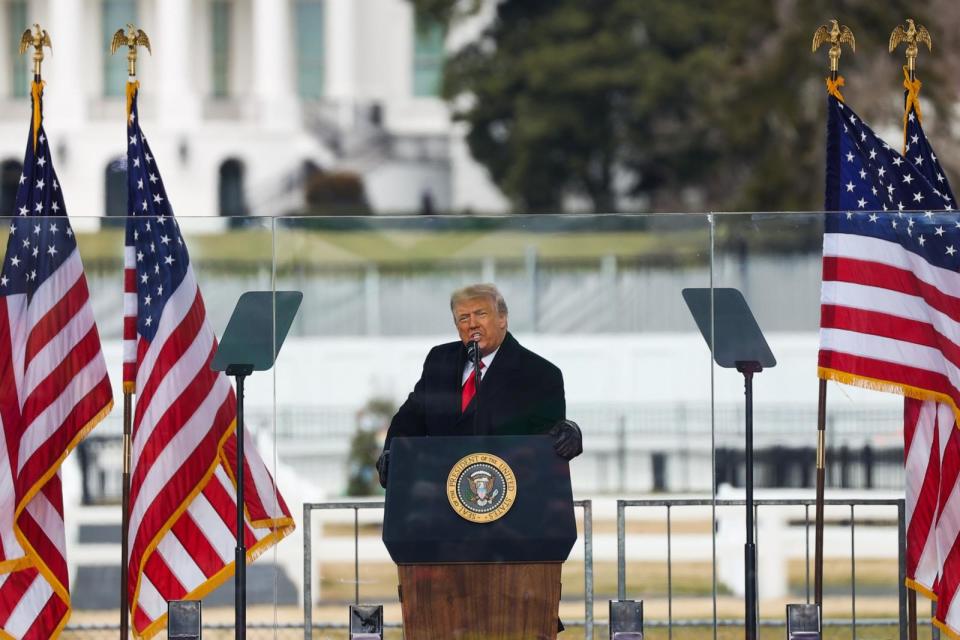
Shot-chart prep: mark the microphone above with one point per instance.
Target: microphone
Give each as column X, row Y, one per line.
column 473, row 353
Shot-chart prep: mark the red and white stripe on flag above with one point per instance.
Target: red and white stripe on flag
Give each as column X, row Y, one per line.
column 887, row 319
column 129, row 319
column 183, row 498
column 53, row 389
column 890, row 320
column 197, row 553
column 922, row 453
column 948, row 523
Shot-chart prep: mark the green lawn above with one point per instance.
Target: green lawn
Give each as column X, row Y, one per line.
column 385, row 247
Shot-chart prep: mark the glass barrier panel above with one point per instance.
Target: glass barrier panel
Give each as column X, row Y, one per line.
column 598, row 296
column 776, row 261
column 226, row 259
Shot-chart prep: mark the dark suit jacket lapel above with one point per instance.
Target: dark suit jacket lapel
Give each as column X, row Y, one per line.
column 497, row 379
column 463, row 421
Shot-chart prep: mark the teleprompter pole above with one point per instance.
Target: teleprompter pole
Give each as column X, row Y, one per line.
column 240, row 557
column 750, row 547
column 251, row 342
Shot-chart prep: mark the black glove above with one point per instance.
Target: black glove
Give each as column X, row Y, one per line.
column 567, row 439
column 383, row 463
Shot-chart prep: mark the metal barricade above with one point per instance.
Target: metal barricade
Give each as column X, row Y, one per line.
column 622, row 505
column 309, row 508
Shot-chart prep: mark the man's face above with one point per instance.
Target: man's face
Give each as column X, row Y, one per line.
column 478, row 319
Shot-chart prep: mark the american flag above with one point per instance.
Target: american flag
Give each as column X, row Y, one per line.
column 53, row 390
column 890, row 306
column 937, row 538
column 182, row 491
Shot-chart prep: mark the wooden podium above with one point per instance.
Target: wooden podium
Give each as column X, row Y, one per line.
column 471, row 567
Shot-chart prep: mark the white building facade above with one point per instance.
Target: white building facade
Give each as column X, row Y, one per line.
column 243, row 101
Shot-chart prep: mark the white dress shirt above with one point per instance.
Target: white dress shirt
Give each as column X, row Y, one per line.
column 468, row 367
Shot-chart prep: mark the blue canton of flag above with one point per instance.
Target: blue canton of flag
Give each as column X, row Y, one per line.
column 161, row 256
column 40, row 235
column 918, row 150
column 885, row 195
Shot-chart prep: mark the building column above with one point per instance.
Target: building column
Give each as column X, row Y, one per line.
column 180, row 103
column 273, row 62
column 67, row 109
column 340, row 33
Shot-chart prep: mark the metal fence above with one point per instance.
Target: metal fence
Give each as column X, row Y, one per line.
column 612, row 295
column 210, row 632
column 715, row 622
column 309, row 508
column 848, row 513
column 632, row 447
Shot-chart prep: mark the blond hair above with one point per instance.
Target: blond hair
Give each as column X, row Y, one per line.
column 481, row 290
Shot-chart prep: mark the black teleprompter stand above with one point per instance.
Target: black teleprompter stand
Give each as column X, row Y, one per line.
column 251, row 342
column 736, row 341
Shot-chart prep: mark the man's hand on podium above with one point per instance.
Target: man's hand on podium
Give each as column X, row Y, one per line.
column 383, row 463
column 567, row 439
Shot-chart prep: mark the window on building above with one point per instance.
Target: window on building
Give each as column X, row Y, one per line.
column 232, row 199
column 16, row 25
column 115, row 15
column 427, row 55
column 221, row 19
column 310, row 63
column 115, row 185
column 10, row 172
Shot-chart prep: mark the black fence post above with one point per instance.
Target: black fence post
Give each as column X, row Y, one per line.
column 867, row 457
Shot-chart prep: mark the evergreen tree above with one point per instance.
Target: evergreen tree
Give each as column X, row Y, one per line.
column 675, row 105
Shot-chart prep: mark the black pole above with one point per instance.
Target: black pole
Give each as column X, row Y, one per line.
column 821, row 487
column 912, row 615
column 240, row 558
column 750, row 548
column 125, row 519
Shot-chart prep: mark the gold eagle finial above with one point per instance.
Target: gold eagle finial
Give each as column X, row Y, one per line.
column 38, row 38
column 836, row 35
column 131, row 39
column 913, row 34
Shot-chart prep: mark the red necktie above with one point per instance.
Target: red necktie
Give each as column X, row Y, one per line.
column 469, row 389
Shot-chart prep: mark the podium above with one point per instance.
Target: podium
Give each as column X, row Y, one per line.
column 479, row 527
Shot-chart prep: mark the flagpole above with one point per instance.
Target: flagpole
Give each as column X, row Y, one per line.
column 821, row 482
column 38, row 39
column 125, row 519
column 836, row 35
column 821, row 452
column 911, row 36
column 821, row 467
column 131, row 39
column 911, row 593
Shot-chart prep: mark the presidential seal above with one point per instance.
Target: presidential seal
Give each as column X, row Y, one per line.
column 481, row 487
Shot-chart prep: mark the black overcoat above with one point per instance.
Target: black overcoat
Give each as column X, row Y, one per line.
column 521, row 394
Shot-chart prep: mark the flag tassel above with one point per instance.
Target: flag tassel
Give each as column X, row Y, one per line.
column 36, row 91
